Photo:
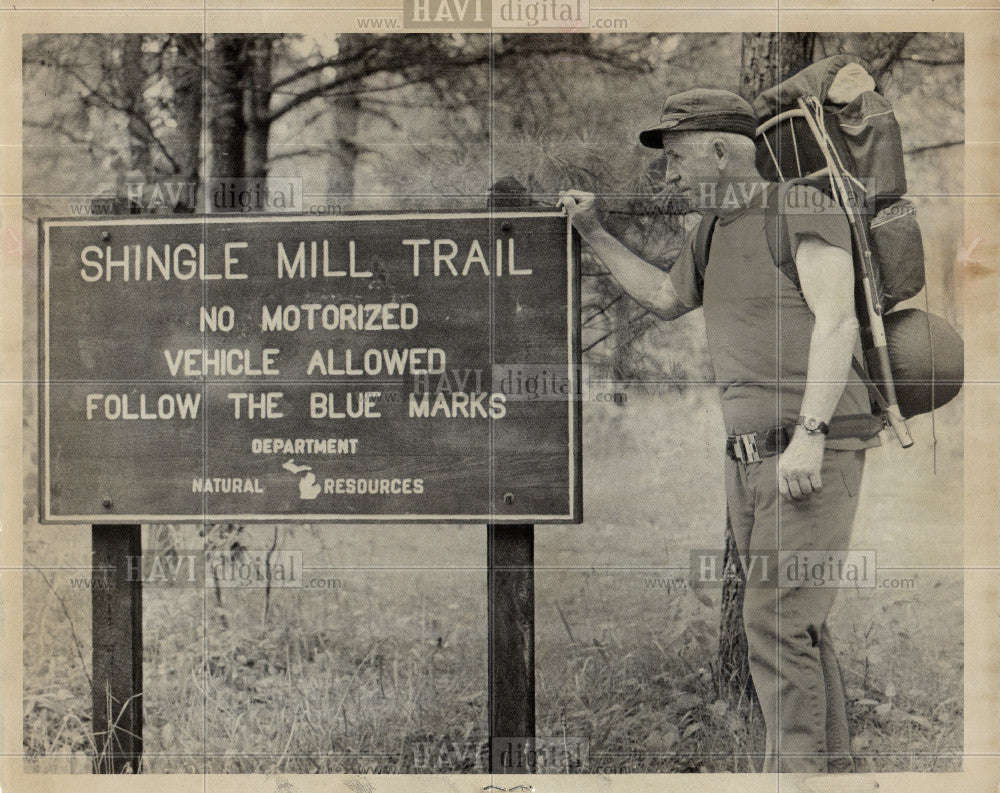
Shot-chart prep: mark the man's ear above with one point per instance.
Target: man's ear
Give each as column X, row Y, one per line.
column 720, row 153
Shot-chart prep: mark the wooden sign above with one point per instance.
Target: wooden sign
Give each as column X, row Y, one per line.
column 411, row 367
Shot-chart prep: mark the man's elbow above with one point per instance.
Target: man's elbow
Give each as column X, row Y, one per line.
column 665, row 304
column 665, row 310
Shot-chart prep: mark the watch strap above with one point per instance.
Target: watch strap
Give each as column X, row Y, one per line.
column 813, row 425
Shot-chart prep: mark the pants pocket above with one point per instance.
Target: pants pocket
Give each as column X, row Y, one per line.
column 851, row 465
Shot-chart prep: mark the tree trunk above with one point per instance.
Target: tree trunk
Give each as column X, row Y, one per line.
column 623, row 342
column 344, row 122
column 185, row 76
column 257, row 105
column 344, row 158
column 732, row 666
column 767, row 59
column 133, row 86
column 227, row 125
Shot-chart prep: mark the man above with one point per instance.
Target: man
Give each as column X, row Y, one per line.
column 782, row 358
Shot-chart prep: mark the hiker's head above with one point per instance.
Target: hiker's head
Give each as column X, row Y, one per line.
column 707, row 137
column 692, row 159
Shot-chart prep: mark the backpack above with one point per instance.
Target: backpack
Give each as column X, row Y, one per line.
column 865, row 137
column 925, row 352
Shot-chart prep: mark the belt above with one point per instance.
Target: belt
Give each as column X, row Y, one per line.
column 751, row 447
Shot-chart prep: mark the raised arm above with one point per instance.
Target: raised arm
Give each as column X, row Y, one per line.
column 647, row 284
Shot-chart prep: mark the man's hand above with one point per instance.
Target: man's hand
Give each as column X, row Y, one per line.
column 799, row 466
column 581, row 207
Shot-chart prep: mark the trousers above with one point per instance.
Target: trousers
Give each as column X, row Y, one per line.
column 793, row 665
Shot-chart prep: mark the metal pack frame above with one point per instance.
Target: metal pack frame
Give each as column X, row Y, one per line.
column 850, row 194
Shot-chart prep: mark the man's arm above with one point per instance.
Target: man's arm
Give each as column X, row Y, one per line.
column 644, row 282
column 826, row 277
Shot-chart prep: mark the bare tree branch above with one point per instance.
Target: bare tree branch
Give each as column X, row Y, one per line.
column 932, row 146
column 638, row 319
column 404, row 64
column 885, row 62
column 93, row 94
column 603, row 309
column 326, row 63
column 933, row 61
column 302, row 152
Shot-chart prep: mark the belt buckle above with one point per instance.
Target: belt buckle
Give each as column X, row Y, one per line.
column 746, row 448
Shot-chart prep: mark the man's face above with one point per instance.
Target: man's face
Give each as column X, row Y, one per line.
column 688, row 165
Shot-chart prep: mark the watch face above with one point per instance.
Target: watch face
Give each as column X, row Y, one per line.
column 811, row 424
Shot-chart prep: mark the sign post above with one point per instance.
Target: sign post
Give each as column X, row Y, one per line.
column 117, row 648
column 510, row 558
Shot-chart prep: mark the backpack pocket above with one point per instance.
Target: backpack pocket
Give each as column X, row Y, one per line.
column 870, row 133
column 898, row 252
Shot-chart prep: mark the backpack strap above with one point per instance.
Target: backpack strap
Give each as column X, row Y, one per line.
column 702, row 243
column 779, row 242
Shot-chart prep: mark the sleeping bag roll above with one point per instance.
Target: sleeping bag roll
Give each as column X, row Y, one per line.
column 923, row 382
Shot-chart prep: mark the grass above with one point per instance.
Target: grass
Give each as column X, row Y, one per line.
column 386, row 670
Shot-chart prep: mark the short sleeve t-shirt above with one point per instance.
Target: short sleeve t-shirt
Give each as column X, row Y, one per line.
column 758, row 324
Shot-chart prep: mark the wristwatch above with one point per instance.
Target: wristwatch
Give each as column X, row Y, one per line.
column 813, row 426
